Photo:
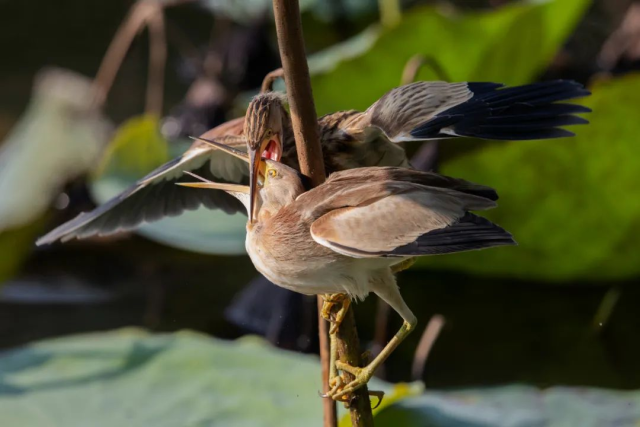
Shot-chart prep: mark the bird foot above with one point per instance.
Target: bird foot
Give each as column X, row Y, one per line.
column 341, row 393
column 330, row 300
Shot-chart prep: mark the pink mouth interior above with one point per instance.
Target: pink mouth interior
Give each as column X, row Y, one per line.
column 272, row 152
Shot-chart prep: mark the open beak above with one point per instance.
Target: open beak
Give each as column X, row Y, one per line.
column 256, row 166
column 268, row 149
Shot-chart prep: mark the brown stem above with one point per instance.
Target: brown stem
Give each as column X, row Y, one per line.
column 269, row 80
column 425, row 345
column 348, row 345
column 157, row 61
column 117, row 50
column 330, row 416
column 305, row 129
column 296, row 70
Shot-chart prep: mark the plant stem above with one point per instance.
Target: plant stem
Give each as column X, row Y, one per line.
column 157, row 62
column 296, row 70
column 140, row 12
column 305, row 128
column 425, row 345
column 118, row 49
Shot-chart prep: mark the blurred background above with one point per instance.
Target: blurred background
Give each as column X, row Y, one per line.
column 554, row 318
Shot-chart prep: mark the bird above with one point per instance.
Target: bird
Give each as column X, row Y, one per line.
column 350, row 234
column 418, row 111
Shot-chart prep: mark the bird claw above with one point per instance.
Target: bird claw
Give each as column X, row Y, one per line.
column 340, row 393
column 329, row 301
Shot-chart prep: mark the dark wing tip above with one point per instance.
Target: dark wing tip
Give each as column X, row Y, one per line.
column 471, row 232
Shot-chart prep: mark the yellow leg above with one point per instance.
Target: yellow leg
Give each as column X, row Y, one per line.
column 385, row 287
column 363, row 375
column 329, row 301
column 403, row 265
column 337, row 382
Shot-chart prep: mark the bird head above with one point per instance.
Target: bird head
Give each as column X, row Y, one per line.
column 263, row 128
column 280, row 184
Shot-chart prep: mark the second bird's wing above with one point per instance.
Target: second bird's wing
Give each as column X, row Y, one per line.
column 433, row 110
column 412, row 220
column 156, row 196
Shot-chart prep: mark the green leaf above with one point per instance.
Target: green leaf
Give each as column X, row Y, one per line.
column 16, row 245
column 571, row 204
column 137, row 148
column 516, row 406
column 130, row 378
column 509, row 45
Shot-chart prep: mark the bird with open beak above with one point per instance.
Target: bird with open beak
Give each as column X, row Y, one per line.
column 353, row 232
column 418, row 111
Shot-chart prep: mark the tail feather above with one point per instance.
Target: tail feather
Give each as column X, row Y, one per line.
column 515, row 113
column 471, row 232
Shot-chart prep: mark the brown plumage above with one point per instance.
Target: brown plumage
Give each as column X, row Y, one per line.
column 347, row 235
column 350, row 139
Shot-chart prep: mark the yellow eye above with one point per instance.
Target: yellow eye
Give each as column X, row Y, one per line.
column 272, row 173
column 268, row 133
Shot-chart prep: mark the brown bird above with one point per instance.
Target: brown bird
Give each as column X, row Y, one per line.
column 414, row 112
column 351, row 233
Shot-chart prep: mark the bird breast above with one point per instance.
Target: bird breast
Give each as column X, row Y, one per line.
column 283, row 250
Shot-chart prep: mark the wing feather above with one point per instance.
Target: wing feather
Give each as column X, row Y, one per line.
column 418, row 221
column 156, row 196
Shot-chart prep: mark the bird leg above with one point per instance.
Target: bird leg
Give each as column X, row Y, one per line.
column 337, row 382
column 387, row 291
column 363, row 375
column 403, row 265
column 330, row 300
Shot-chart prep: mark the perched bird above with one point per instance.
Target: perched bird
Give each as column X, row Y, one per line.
column 350, row 234
column 415, row 112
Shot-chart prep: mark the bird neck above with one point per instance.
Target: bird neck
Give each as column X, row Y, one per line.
column 274, row 197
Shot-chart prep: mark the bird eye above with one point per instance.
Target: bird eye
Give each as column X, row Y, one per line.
column 272, row 173
column 268, row 133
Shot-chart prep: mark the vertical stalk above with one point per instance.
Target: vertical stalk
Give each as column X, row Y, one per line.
column 305, row 129
column 157, row 62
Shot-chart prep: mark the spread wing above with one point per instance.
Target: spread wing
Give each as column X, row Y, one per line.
column 156, row 196
column 434, row 110
column 413, row 220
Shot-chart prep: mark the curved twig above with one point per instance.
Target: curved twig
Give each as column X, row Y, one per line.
column 121, row 42
column 269, row 80
column 157, row 62
column 416, row 62
column 425, row 345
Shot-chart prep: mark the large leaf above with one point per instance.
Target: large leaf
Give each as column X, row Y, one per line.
column 572, row 204
column 136, row 148
column 129, row 378
column 516, row 406
column 510, row 45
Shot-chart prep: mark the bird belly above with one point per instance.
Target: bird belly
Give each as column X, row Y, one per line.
column 320, row 272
